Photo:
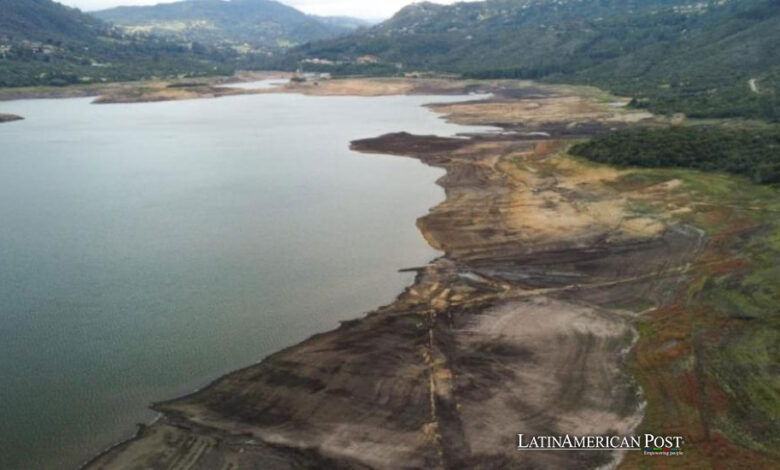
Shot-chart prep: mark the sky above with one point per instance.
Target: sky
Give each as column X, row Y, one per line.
column 374, row 9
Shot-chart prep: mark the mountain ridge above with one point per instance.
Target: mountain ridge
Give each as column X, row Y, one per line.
column 266, row 25
column 46, row 43
column 687, row 56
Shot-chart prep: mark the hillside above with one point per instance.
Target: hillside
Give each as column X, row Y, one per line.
column 263, row 25
column 347, row 23
column 45, row 43
column 42, row 20
column 691, row 56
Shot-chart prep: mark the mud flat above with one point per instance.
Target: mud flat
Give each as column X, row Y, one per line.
column 9, row 117
column 175, row 90
column 144, row 90
column 525, row 325
column 167, row 92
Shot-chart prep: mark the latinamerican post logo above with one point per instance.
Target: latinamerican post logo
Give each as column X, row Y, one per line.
column 650, row 444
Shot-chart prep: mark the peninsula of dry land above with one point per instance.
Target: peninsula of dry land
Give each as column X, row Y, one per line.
column 9, row 117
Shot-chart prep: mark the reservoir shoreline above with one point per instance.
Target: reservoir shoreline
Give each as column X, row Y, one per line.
column 397, row 380
column 214, row 295
column 545, row 315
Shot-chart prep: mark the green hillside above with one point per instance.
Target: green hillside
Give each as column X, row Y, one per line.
column 706, row 58
column 46, row 43
column 42, row 20
column 263, row 25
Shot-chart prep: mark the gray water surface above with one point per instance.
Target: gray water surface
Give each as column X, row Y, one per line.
column 146, row 249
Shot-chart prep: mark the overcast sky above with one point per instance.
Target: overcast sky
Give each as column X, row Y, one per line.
column 359, row 8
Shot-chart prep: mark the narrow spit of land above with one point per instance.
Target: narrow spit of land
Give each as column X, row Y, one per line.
column 145, row 91
column 9, row 117
column 547, row 314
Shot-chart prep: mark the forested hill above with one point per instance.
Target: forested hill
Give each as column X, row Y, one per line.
column 701, row 57
column 260, row 24
column 46, row 43
column 43, row 20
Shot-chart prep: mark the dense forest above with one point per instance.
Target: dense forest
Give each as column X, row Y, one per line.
column 58, row 63
column 705, row 58
column 753, row 153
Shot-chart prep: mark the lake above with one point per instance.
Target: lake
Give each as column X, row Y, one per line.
column 146, row 249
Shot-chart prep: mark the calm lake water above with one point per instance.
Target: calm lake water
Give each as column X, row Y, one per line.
column 147, row 249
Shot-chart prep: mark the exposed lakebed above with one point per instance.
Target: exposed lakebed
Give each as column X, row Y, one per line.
column 149, row 248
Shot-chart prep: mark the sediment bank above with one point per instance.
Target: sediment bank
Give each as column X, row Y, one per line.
column 9, row 117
